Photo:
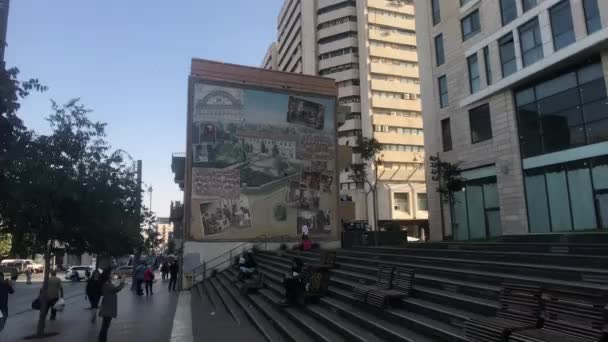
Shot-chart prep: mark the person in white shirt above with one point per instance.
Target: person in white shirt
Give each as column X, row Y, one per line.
column 304, row 232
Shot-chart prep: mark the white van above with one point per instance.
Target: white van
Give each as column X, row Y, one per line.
column 19, row 264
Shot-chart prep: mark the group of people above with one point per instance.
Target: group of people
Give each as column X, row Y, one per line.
column 144, row 275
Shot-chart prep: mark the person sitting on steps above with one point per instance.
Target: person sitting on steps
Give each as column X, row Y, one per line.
column 248, row 268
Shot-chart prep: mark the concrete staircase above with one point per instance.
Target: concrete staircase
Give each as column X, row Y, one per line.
column 453, row 282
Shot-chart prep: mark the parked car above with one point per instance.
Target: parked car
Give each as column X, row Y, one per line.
column 78, row 273
column 19, row 264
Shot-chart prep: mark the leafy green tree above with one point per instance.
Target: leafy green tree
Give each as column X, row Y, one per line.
column 368, row 148
column 66, row 189
column 5, row 244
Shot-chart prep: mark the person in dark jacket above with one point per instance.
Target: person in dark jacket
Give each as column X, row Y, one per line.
column 149, row 280
column 248, row 268
column 93, row 291
column 6, row 288
column 293, row 283
column 173, row 271
column 109, row 303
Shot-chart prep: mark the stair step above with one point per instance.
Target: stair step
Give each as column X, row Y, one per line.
column 315, row 328
column 389, row 330
column 264, row 327
column 288, row 329
column 227, row 301
column 328, row 317
column 427, row 325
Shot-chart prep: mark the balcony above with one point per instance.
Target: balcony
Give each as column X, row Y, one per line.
column 407, row 24
column 336, row 29
column 350, row 125
column 392, row 37
column 389, row 52
column 396, row 86
column 339, row 44
column 383, row 102
column 178, row 166
column 339, row 13
column 338, row 60
column 391, row 6
column 393, row 69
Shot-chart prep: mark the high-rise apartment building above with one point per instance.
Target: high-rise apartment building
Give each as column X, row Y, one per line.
column 369, row 48
column 516, row 90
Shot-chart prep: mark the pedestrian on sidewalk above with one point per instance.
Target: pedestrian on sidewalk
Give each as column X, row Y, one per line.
column 28, row 276
column 6, row 288
column 173, row 271
column 109, row 303
column 164, row 270
column 93, row 291
column 54, row 291
column 139, row 278
column 149, row 280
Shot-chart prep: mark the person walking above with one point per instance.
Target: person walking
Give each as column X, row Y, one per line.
column 139, row 278
column 149, row 280
column 28, row 276
column 173, row 271
column 54, row 291
column 109, row 303
column 164, row 270
column 6, row 288
column 93, row 291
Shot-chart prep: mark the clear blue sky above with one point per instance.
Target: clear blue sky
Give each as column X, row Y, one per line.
column 128, row 60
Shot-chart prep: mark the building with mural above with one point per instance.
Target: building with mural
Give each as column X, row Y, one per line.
column 260, row 160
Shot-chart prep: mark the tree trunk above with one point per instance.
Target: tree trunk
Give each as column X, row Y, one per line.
column 43, row 297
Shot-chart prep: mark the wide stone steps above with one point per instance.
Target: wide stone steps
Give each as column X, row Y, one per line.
column 458, row 269
column 438, row 328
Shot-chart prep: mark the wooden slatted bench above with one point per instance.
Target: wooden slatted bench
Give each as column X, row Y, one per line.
column 520, row 308
column 569, row 316
column 384, row 282
column 401, row 287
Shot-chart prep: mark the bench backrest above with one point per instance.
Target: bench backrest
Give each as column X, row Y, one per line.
column 520, row 302
column 385, row 276
column 403, row 279
column 577, row 314
column 328, row 258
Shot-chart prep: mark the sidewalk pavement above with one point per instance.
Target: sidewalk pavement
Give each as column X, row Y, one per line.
column 139, row 319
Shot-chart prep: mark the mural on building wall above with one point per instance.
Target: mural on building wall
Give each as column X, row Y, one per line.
column 262, row 163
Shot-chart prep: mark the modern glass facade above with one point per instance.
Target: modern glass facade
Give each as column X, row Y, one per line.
column 568, row 197
column 568, row 111
column 555, row 116
column 475, row 210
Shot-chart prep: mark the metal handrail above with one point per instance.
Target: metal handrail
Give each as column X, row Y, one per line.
column 204, row 265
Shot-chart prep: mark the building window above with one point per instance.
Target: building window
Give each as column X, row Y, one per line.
column 443, row 91
column 439, row 54
column 567, row 197
column 568, row 111
column 402, row 201
column 474, row 78
column 475, row 210
column 508, row 11
column 507, row 55
column 436, row 12
column 528, row 4
column 470, row 25
column 446, row 135
column 422, row 202
column 464, row 2
column 481, row 125
column 487, row 64
column 561, row 25
column 531, row 43
column 592, row 16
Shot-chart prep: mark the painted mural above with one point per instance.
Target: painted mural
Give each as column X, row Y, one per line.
column 262, row 163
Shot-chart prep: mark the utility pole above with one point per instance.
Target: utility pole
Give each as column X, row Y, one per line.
column 4, row 7
column 137, row 254
column 150, row 191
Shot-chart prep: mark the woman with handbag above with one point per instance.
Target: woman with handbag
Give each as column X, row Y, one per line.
column 109, row 303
